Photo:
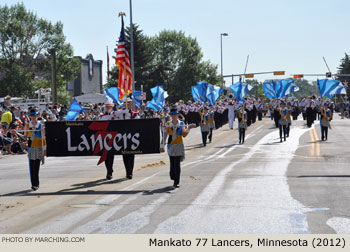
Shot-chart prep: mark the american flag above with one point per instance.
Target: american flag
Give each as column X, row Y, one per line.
column 123, row 62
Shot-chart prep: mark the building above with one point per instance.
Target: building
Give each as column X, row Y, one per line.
column 89, row 80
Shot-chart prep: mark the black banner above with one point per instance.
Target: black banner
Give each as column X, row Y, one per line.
column 88, row 138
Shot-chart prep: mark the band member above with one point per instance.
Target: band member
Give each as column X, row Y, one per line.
column 128, row 159
column 176, row 130
column 283, row 121
column 326, row 117
column 36, row 147
column 231, row 113
column 205, row 125
column 109, row 115
column 289, row 119
column 260, row 108
column 242, row 124
column 276, row 114
column 211, row 125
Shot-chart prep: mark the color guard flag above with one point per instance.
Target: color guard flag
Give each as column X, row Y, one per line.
column 158, row 100
column 195, row 93
column 137, row 97
column 112, row 94
column 202, row 90
column 330, row 88
column 213, row 93
column 123, row 62
column 240, row 89
column 74, row 111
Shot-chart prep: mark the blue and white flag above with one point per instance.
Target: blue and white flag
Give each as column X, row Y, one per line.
column 269, row 90
column 279, row 89
column 158, row 100
column 195, row 93
column 74, row 111
column 137, row 97
column 213, row 93
column 240, row 89
column 286, row 87
column 330, row 88
column 112, row 94
column 202, row 90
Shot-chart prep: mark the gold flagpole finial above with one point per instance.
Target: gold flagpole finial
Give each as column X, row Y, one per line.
column 121, row 14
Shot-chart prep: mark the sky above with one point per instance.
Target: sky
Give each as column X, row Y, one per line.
column 278, row 35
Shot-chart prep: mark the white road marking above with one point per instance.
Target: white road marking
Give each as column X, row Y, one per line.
column 63, row 222
column 340, row 225
column 125, row 225
column 278, row 211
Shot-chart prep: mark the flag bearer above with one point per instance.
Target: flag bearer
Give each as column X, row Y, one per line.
column 177, row 131
column 205, row 125
column 289, row 119
column 326, row 117
column 242, row 124
column 211, row 125
column 36, row 147
column 283, row 121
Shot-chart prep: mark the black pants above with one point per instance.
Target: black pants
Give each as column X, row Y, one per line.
column 175, row 169
column 241, row 135
column 284, row 128
column 288, row 129
column 210, row 136
column 276, row 117
column 204, row 137
column 259, row 116
column 324, row 133
column 34, row 166
column 128, row 163
column 109, row 163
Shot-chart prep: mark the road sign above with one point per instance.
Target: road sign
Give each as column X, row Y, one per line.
column 297, row 76
column 279, row 73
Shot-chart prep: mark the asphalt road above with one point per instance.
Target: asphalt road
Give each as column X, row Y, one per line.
column 264, row 186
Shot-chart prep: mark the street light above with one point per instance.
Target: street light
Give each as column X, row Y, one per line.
column 222, row 75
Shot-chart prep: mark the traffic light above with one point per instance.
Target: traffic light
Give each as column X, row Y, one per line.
column 279, row 73
column 249, row 75
column 328, row 74
column 297, row 76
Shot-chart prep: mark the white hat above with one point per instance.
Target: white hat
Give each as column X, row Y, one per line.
column 109, row 103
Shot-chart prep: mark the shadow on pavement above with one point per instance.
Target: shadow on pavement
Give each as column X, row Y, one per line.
column 324, row 176
column 166, row 189
column 226, row 146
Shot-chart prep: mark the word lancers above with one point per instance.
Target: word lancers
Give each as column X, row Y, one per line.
column 105, row 141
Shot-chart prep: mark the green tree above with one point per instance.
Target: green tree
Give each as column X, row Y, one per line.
column 305, row 88
column 344, row 68
column 181, row 59
column 257, row 90
column 25, row 63
column 170, row 59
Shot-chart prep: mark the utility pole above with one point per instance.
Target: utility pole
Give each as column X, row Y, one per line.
column 52, row 51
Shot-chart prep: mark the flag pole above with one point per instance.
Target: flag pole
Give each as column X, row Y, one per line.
column 132, row 50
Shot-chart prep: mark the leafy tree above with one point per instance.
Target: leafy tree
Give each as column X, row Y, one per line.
column 170, row 59
column 181, row 59
column 257, row 90
column 305, row 88
column 25, row 63
column 344, row 68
